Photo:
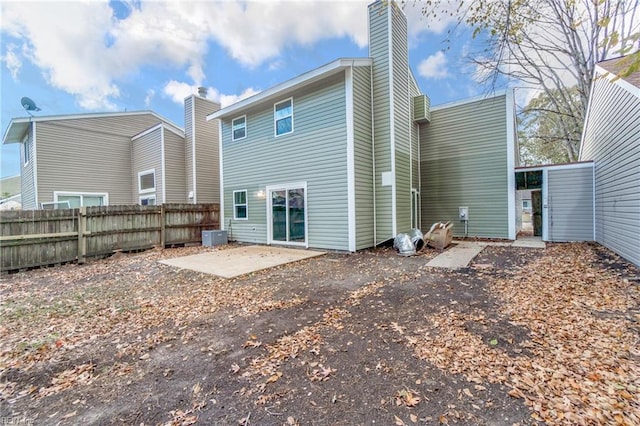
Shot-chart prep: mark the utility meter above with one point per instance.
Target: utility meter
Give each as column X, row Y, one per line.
column 463, row 213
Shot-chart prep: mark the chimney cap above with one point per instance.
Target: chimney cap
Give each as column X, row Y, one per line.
column 202, row 92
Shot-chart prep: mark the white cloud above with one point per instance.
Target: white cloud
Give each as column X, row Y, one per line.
column 434, row 67
column 81, row 48
column 150, row 94
column 177, row 91
column 12, row 61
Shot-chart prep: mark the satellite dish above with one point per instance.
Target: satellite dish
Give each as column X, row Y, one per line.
column 29, row 105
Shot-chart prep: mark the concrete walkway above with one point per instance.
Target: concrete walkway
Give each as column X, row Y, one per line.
column 460, row 255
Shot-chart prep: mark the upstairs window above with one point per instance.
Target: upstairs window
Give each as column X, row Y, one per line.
column 240, row 205
column 26, row 146
column 283, row 116
column 239, row 128
column 147, row 181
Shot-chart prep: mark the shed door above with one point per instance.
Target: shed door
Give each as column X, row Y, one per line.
column 570, row 204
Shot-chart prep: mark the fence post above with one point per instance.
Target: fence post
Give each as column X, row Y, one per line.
column 82, row 239
column 163, row 226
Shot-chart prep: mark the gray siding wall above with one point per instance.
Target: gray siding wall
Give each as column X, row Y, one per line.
column 363, row 150
column 26, row 172
column 612, row 139
column 146, row 154
column 174, row 167
column 207, row 152
column 188, row 145
column 89, row 154
column 570, row 201
column 315, row 152
column 464, row 163
column 402, row 118
column 379, row 48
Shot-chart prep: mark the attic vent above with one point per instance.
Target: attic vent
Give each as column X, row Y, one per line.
column 422, row 109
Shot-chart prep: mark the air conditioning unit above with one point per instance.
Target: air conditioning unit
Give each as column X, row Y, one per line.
column 214, row 238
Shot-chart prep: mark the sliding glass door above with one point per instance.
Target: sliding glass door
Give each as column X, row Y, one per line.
column 288, row 216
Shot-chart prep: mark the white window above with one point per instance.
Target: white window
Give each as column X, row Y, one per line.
column 148, row 200
column 147, row 181
column 526, row 204
column 55, row 206
column 283, row 117
column 26, row 148
column 239, row 128
column 240, row 208
column 77, row 199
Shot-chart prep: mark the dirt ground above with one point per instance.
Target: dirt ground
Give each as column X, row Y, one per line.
column 522, row 336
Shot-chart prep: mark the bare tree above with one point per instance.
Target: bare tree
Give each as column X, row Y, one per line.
column 550, row 45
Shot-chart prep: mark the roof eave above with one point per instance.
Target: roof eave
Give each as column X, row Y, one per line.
column 16, row 130
column 295, row 83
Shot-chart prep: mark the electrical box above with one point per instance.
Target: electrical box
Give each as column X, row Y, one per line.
column 463, row 213
column 214, row 238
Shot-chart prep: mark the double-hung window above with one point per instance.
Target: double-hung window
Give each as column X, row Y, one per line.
column 283, row 117
column 239, row 128
column 240, row 210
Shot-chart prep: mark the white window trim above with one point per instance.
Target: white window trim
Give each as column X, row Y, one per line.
column 146, row 172
column 245, row 128
column 26, row 150
column 246, row 204
column 147, row 197
column 104, row 195
column 56, row 205
column 286, row 187
column 275, row 121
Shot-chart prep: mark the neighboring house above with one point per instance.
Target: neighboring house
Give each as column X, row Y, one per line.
column 611, row 139
column 10, row 197
column 116, row 158
column 350, row 154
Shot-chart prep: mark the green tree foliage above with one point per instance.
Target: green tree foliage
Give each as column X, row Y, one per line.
column 549, row 45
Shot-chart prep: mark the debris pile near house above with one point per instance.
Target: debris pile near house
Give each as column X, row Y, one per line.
column 409, row 244
column 440, row 235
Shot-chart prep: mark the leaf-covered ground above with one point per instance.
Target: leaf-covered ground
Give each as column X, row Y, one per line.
column 522, row 336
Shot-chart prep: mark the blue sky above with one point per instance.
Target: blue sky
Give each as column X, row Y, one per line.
column 95, row 56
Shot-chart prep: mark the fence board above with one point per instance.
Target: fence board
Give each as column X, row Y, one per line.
column 46, row 237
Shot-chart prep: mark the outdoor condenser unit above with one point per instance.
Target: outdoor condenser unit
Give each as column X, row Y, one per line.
column 214, row 238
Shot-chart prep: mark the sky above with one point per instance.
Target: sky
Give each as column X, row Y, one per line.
column 77, row 57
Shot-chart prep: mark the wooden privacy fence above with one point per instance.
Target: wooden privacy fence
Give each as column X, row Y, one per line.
column 34, row 238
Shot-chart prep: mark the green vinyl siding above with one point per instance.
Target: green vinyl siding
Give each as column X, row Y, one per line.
column 379, row 48
column 363, row 157
column 402, row 118
column 464, row 163
column 315, row 153
column 611, row 140
column 146, row 154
